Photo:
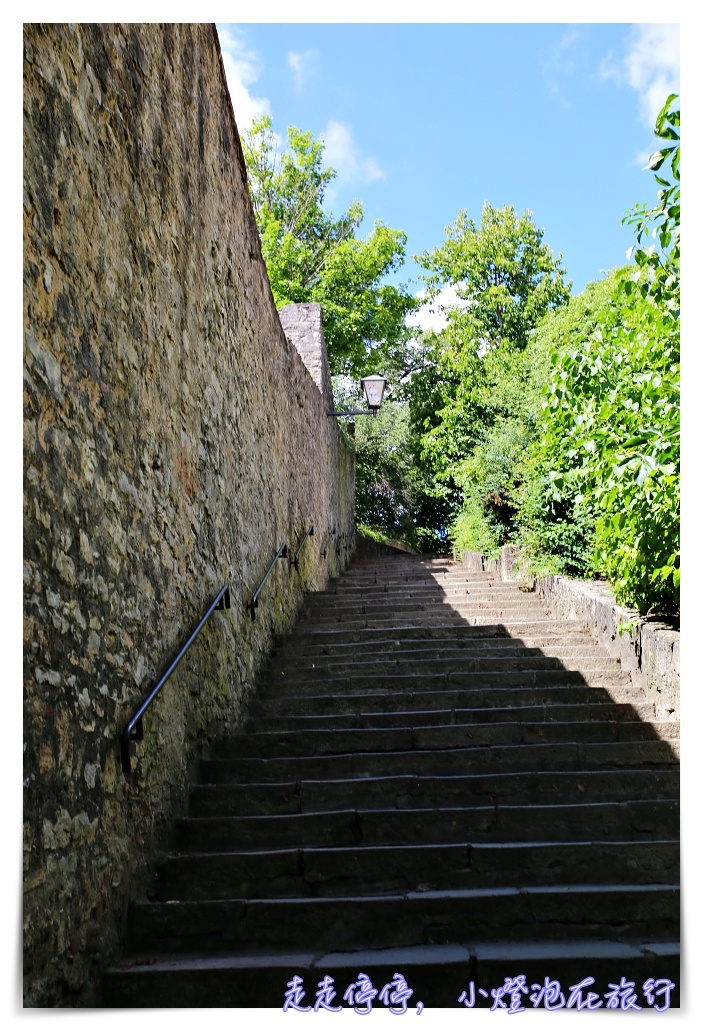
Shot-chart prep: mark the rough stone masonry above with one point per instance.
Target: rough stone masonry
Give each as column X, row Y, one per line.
column 174, row 439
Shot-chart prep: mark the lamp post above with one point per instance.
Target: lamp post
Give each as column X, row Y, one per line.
column 373, row 390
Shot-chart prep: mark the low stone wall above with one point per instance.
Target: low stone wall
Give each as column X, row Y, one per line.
column 650, row 651
column 174, row 439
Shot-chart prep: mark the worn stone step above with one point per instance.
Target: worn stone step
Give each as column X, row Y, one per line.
column 334, row 871
column 433, row 766
column 631, row 820
column 456, row 628
column 395, row 651
column 616, row 821
column 336, row 741
column 592, row 712
column 412, row 792
column 393, row 577
column 387, row 574
column 416, row 682
column 322, row 605
column 506, row 758
column 491, row 649
column 408, row 698
column 388, row 615
column 314, row 669
column 438, row 615
column 625, row 911
column 291, row 650
column 436, row 975
column 394, row 605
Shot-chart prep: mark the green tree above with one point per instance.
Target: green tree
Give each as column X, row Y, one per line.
column 555, row 530
column 504, row 271
column 473, row 377
column 312, row 256
column 611, row 423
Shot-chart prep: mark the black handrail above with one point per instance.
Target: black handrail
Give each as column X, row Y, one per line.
column 296, row 559
column 134, row 730
column 282, row 552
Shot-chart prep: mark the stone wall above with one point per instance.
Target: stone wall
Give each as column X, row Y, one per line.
column 174, row 439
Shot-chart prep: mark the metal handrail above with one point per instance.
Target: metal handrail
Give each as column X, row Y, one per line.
column 296, row 559
column 134, row 730
column 282, row 552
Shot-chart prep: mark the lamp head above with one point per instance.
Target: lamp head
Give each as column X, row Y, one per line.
column 373, row 390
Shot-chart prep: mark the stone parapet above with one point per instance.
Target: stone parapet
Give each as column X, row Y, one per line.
column 302, row 325
column 648, row 649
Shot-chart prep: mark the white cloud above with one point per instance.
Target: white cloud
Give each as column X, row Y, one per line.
column 431, row 316
column 242, row 68
column 299, row 64
column 651, row 67
column 341, row 152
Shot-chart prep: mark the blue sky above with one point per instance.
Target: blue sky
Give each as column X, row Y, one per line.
column 421, row 120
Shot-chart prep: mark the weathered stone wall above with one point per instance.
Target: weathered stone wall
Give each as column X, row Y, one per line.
column 173, row 440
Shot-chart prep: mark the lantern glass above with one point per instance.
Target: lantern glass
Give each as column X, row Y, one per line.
column 373, row 389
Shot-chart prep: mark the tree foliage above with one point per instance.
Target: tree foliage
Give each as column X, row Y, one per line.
column 474, row 376
column 312, row 256
column 504, row 271
column 611, row 425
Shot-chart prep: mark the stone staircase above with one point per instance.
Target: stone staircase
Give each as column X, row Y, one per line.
column 436, row 781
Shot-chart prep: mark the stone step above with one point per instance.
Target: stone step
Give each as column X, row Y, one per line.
column 340, row 634
column 419, row 595
column 289, row 648
column 571, row 755
column 363, row 683
column 467, row 824
column 437, row 976
column 280, row 744
column 393, row 650
column 387, row 573
column 504, row 648
column 383, row 614
column 314, row 668
column 323, row 604
column 417, row 600
column 583, row 911
column 406, row 697
column 396, row 868
column 434, row 771
column 412, row 792
column 592, row 712
column 451, row 623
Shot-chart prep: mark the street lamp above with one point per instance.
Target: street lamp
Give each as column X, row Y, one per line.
column 373, row 390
